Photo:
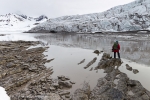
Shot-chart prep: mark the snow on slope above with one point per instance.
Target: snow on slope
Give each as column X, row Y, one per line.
column 128, row 17
column 19, row 23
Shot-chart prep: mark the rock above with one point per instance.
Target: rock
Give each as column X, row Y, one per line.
column 67, row 78
column 64, row 93
column 52, row 88
column 145, row 97
column 90, row 63
column 114, row 94
column 80, row 95
column 103, row 64
column 10, row 64
column 86, row 88
column 72, row 82
column 101, row 81
column 105, row 56
column 63, row 78
column 65, row 84
column 52, row 96
column 49, row 60
column 135, row 71
column 131, row 83
column 128, row 67
column 67, row 96
column 81, row 61
column 96, row 52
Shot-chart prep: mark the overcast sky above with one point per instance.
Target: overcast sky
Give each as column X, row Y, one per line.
column 57, row 8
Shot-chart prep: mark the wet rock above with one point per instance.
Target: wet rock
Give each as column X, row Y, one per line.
column 131, row 83
column 86, row 88
column 65, row 84
column 96, row 52
column 114, row 94
column 90, row 63
column 72, row 82
column 91, row 69
column 64, row 93
column 52, row 88
column 135, row 71
column 101, row 82
column 49, row 60
column 103, row 64
column 63, row 78
column 105, row 56
column 128, row 67
column 80, row 95
column 81, row 62
column 67, row 96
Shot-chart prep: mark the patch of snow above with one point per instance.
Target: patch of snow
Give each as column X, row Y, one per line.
column 19, row 23
column 3, row 95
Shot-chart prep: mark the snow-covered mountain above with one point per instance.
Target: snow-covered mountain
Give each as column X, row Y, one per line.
column 128, row 17
column 16, row 22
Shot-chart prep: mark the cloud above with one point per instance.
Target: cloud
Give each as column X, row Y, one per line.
column 57, row 8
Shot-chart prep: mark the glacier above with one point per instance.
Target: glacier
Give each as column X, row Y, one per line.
column 129, row 17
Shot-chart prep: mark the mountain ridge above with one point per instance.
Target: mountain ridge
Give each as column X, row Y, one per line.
column 14, row 22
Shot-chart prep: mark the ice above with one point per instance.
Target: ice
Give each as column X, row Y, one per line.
column 128, row 17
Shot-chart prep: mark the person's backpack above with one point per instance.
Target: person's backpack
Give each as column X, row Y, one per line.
column 115, row 46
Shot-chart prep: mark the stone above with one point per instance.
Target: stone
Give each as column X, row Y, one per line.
column 90, row 63
column 114, row 94
column 67, row 96
column 101, row 81
column 61, row 77
column 67, row 78
column 80, row 95
column 131, row 83
column 65, row 84
column 81, row 62
column 64, row 93
column 72, row 82
column 96, row 52
column 135, row 71
column 128, row 67
column 52, row 88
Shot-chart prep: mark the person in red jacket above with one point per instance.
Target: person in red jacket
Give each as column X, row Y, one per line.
column 116, row 48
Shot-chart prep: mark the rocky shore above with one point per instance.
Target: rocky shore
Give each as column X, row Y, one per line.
column 24, row 77
column 116, row 85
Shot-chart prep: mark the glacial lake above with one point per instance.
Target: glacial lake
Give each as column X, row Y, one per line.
column 69, row 49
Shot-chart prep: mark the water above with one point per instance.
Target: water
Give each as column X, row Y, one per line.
column 69, row 49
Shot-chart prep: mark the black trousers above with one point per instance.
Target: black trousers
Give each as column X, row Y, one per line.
column 115, row 54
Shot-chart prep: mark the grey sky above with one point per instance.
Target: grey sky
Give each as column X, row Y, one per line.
column 57, row 8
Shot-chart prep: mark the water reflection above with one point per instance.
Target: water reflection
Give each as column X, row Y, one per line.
column 133, row 47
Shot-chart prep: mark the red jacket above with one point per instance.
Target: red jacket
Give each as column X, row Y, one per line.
column 116, row 50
